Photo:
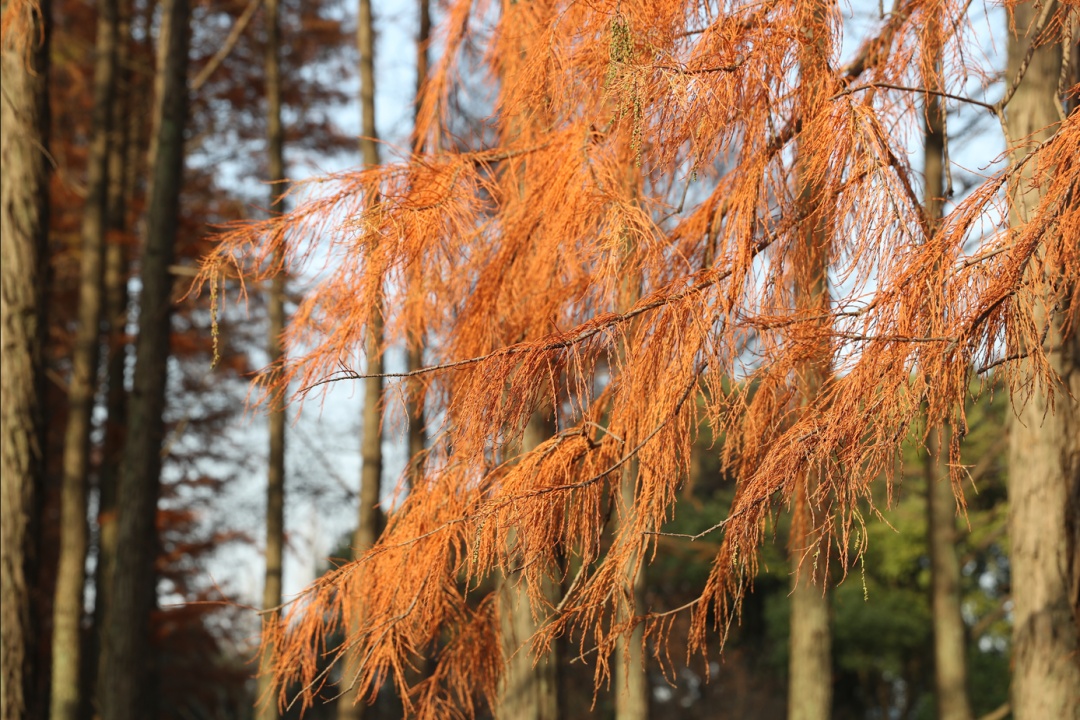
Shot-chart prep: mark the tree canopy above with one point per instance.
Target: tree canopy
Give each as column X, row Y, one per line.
column 684, row 147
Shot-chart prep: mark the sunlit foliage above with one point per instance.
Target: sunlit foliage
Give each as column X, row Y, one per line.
column 670, row 128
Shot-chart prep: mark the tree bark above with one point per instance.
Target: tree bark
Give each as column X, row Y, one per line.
column 24, row 122
column 126, row 660
column 1044, row 444
column 631, row 680
column 529, row 687
column 124, row 167
column 67, row 641
column 950, row 642
column 369, row 521
column 810, row 660
column 275, row 481
column 415, row 338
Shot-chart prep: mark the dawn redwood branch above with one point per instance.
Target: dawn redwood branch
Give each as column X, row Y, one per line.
column 905, row 88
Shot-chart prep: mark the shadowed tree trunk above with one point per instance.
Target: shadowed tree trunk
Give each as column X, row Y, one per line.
column 24, row 119
column 126, row 658
column 810, row 666
column 1044, row 443
column 950, row 644
column 124, row 167
column 275, row 480
column 66, row 701
column 369, row 521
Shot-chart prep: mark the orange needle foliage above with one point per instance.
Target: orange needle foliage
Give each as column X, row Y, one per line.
column 525, row 238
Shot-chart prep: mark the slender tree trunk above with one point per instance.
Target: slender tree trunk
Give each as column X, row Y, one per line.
column 415, row 349
column 67, row 641
column 24, row 122
column 275, row 481
column 631, row 680
column 124, row 165
column 810, row 667
column 529, row 688
column 1044, row 444
column 126, row 660
column 950, row 643
column 950, row 640
column 369, row 522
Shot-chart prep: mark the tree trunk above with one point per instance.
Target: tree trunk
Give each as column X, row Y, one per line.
column 124, row 166
column 1044, row 444
column 66, row 699
column 529, row 687
column 631, row 680
column 369, row 522
column 950, row 643
column 275, row 481
column 126, row 660
column 415, row 338
column 24, row 122
column 810, row 666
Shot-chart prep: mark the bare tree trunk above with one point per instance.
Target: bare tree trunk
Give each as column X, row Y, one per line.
column 415, row 349
column 369, row 521
column 810, row 660
column 631, row 681
column 1044, row 444
column 529, row 687
column 126, row 660
column 275, row 481
column 66, row 699
column 124, row 166
column 950, row 643
column 24, row 122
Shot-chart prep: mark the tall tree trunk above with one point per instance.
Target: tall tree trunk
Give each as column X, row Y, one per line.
column 529, row 687
column 67, row 641
column 950, row 644
column 124, row 166
column 24, row 122
column 1044, row 444
column 415, row 337
column 950, row 641
column 275, row 480
column 810, row 660
column 631, row 681
column 369, row 521
column 126, row 659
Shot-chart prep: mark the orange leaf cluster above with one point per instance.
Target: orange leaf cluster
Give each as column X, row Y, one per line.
column 668, row 128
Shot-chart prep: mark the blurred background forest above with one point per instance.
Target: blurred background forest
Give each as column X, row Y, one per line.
column 268, row 91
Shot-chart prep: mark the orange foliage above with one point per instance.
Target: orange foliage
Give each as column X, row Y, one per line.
column 520, row 246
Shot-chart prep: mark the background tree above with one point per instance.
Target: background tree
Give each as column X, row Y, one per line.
column 125, row 653
column 67, row 656
column 275, row 483
column 369, row 517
